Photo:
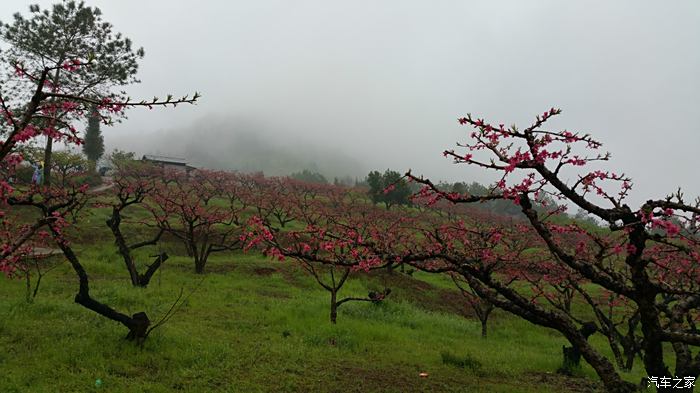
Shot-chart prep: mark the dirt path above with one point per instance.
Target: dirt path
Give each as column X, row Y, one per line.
column 41, row 252
column 106, row 185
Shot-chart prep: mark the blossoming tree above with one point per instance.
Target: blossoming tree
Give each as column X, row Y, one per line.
column 202, row 209
column 646, row 259
column 133, row 183
column 336, row 231
column 34, row 103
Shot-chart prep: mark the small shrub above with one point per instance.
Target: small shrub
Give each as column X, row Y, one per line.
column 467, row 361
column 23, row 174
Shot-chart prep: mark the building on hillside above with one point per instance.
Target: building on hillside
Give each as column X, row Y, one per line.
column 168, row 162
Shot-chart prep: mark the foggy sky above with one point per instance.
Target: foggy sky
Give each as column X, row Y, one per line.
column 381, row 83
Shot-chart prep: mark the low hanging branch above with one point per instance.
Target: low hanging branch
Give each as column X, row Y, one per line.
column 372, row 296
column 47, row 112
column 137, row 324
column 649, row 258
column 482, row 307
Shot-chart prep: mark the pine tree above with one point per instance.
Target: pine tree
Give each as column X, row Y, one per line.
column 71, row 31
column 94, row 146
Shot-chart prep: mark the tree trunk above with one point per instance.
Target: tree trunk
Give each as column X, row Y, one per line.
column 199, row 265
column 629, row 361
column 137, row 324
column 36, row 286
column 29, row 286
column 605, row 370
column 113, row 224
column 517, row 305
column 145, row 279
column 567, row 302
column 484, row 330
column 609, row 333
column 334, row 307
column 137, row 280
column 47, row 161
column 653, row 350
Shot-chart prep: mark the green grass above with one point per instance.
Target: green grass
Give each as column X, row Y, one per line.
column 253, row 325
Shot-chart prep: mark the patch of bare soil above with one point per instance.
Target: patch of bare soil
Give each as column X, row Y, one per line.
column 408, row 379
column 273, row 294
column 360, row 379
column 264, row 271
column 221, row 268
column 423, row 294
column 564, row 383
column 293, row 275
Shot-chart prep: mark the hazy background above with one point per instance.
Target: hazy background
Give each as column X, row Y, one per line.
column 346, row 87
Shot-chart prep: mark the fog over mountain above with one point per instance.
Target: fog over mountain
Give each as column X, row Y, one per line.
column 245, row 145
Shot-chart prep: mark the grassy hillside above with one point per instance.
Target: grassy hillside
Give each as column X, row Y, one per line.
column 252, row 325
column 255, row 325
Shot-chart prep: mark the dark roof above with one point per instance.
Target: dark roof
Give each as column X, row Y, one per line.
column 165, row 160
